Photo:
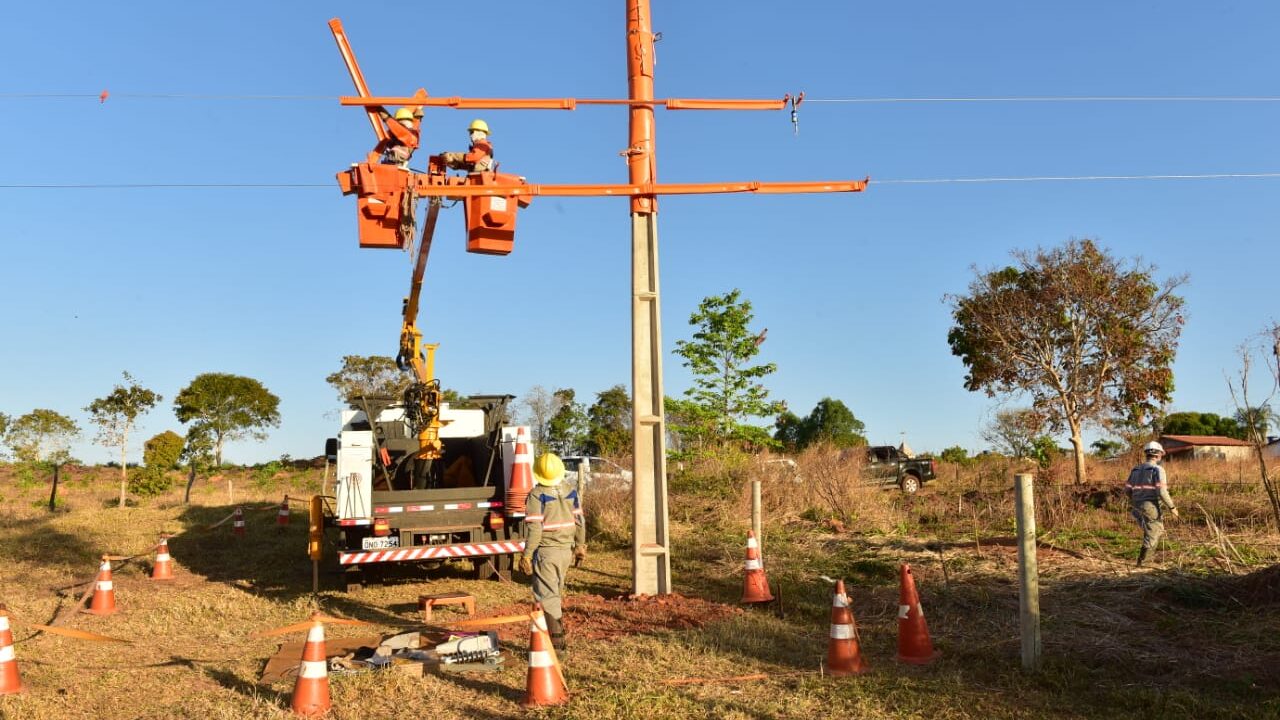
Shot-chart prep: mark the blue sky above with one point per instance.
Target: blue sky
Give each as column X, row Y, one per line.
column 169, row 283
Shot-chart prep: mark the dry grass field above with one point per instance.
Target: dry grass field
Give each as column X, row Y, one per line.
column 1198, row 636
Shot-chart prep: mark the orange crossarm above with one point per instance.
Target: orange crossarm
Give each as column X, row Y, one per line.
column 461, row 103
column 461, row 191
column 357, row 77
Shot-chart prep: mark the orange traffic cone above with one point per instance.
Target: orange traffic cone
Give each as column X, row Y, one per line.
column 545, row 684
column 311, row 690
column 9, row 681
column 755, row 586
column 914, row 645
column 282, row 515
column 104, row 592
column 237, row 525
column 843, row 655
column 521, row 475
column 163, row 569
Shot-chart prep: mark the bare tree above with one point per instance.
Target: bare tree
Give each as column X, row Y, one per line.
column 1267, row 346
column 1013, row 431
column 540, row 406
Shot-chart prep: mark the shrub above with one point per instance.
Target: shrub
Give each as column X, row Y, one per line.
column 162, row 451
column 149, row 481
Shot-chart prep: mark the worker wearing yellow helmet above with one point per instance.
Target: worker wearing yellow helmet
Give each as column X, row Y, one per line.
column 479, row 157
column 556, row 534
column 399, row 146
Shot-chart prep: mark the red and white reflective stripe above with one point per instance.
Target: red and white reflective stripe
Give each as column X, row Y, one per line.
column 557, row 526
column 430, row 553
column 162, row 557
column 488, row 504
column 6, row 654
column 420, row 508
column 751, row 542
column 458, row 506
column 840, row 601
column 106, row 585
column 355, row 521
column 842, row 632
column 313, row 670
column 316, row 634
column 905, row 610
column 752, row 564
column 533, row 518
column 4, row 623
column 540, row 659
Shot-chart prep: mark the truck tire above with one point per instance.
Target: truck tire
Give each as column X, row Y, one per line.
column 910, row 484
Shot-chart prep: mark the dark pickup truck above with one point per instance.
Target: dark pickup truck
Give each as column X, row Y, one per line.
column 887, row 466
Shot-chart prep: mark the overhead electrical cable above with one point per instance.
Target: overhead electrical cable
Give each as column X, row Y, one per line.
column 874, row 182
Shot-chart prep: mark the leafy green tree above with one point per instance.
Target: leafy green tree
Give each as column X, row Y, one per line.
column 4, row 430
column 1256, row 422
column 789, row 431
column 718, row 355
column 1044, row 450
column 163, row 451
column 368, row 375
column 955, row 454
column 1089, row 338
column 1107, row 448
column 567, row 428
column 41, row 436
column 831, row 421
column 224, row 408
column 609, row 422
column 116, row 414
column 1197, row 423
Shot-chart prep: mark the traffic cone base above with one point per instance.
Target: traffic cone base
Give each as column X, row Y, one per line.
column 755, row 585
column 311, row 689
column 843, row 654
column 545, row 683
column 914, row 645
column 10, row 682
column 163, row 569
column 104, row 591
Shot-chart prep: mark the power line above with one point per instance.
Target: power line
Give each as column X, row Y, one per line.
column 1058, row 99
column 874, row 182
column 858, row 100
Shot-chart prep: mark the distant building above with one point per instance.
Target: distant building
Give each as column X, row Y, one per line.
column 1204, row 447
column 1272, row 448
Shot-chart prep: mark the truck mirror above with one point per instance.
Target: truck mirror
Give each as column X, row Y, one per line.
column 331, row 449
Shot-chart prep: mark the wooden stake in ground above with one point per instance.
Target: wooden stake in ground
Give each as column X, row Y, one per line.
column 1028, row 572
column 755, row 514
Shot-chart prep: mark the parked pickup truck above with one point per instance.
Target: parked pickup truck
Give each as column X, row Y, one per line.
column 888, row 467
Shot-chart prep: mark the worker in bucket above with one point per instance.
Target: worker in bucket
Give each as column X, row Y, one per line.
column 395, row 152
column 556, row 535
column 1148, row 490
column 479, row 158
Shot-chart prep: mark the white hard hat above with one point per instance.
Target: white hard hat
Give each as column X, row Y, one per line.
column 1153, row 448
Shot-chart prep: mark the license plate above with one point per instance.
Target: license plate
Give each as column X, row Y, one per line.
column 380, row 543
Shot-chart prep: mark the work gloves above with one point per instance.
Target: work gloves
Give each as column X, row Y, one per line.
column 526, row 565
column 579, row 554
column 1173, row 512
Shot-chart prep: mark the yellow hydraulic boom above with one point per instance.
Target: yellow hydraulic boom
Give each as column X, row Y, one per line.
column 422, row 399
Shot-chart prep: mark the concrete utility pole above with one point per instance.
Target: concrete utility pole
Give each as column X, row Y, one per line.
column 1028, row 572
column 650, row 557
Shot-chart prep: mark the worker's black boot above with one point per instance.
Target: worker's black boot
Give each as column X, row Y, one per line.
column 555, row 627
column 1142, row 556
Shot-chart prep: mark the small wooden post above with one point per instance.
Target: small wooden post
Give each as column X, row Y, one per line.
column 53, row 494
column 755, row 514
column 324, row 479
column 1028, row 573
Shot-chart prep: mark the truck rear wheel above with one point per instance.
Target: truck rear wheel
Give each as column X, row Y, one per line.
column 910, row 484
column 493, row 567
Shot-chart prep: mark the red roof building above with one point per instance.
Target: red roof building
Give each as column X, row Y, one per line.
column 1204, row 447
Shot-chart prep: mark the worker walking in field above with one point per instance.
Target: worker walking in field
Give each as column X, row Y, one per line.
column 556, row 535
column 477, row 159
column 1148, row 490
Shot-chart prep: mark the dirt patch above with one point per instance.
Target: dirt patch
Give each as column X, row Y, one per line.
column 592, row 617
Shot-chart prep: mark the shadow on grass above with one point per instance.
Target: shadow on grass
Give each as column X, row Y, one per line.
column 240, row 686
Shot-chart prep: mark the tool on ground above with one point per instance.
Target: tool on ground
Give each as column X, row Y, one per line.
column 755, row 585
column 471, row 652
column 311, row 690
column 843, row 654
column 914, row 645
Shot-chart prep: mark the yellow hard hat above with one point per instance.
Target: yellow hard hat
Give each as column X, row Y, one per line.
column 483, row 127
column 404, row 113
column 548, row 469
